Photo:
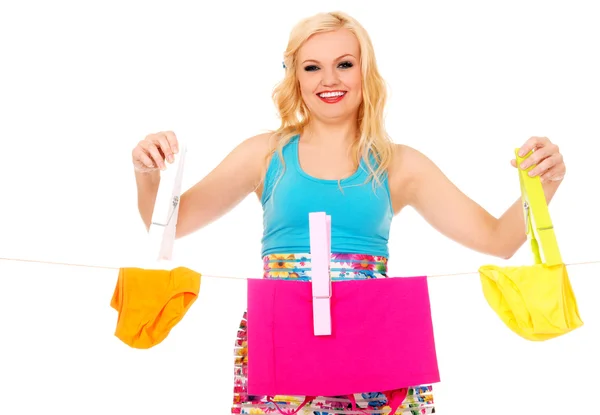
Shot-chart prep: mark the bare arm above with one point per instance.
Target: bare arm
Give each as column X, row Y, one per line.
column 147, row 188
column 237, row 175
column 451, row 212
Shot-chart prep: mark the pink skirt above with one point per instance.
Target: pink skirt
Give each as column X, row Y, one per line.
column 419, row 400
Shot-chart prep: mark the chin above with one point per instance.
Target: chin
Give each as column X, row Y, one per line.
column 339, row 115
column 332, row 113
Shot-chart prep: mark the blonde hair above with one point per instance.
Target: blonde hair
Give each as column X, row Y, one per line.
column 373, row 139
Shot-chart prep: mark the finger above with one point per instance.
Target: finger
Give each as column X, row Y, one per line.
column 544, row 166
column 141, row 160
column 513, row 163
column 145, row 160
column 152, row 151
column 173, row 143
column 538, row 156
column 528, row 146
column 532, row 144
column 553, row 175
column 165, row 147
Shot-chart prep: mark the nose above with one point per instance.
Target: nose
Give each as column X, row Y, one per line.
column 330, row 77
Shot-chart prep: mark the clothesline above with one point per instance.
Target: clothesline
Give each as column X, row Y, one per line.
column 245, row 278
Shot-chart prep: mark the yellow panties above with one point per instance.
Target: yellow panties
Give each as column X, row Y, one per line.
column 150, row 302
column 535, row 301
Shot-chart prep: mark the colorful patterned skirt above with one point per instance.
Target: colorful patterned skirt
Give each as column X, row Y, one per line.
column 419, row 400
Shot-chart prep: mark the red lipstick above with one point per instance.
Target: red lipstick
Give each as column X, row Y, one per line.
column 331, row 97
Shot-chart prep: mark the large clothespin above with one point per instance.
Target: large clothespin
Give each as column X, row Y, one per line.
column 166, row 210
column 539, row 227
column 320, row 251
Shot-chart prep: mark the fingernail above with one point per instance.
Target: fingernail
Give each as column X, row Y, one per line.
column 170, row 158
column 524, row 165
column 521, row 153
column 531, row 174
column 175, row 150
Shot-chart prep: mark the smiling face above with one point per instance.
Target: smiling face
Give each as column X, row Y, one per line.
column 330, row 76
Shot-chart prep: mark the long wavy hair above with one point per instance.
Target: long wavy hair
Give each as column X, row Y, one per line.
column 373, row 140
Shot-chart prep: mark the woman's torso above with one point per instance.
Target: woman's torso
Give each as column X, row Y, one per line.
column 361, row 211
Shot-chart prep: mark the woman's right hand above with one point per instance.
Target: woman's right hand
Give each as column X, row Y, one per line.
column 151, row 153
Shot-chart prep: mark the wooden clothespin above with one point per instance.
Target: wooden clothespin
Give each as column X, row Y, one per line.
column 166, row 210
column 320, row 252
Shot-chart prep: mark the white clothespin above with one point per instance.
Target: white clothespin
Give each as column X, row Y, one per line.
column 320, row 252
column 166, row 210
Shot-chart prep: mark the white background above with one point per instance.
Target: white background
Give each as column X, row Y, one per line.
column 82, row 82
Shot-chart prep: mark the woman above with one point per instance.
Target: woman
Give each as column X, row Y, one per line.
column 332, row 145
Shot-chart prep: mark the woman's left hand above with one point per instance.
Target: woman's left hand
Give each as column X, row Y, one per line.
column 547, row 158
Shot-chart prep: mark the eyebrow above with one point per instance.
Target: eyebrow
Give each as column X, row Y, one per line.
column 338, row 58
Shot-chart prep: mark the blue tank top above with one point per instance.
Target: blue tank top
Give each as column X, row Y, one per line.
column 361, row 212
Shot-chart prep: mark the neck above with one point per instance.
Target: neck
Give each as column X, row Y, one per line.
column 319, row 133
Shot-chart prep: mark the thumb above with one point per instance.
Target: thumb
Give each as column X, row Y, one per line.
column 513, row 162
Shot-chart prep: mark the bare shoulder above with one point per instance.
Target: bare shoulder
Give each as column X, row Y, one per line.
column 406, row 169
column 258, row 150
column 253, row 154
column 260, row 144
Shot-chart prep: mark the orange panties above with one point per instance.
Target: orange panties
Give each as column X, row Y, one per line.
column 150, row 302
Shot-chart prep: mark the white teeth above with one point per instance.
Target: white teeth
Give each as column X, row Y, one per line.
column 331, row 94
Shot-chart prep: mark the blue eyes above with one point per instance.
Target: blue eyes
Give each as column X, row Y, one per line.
column 343, row 65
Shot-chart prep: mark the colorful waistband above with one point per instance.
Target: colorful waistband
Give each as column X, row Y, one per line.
column 342, row 266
